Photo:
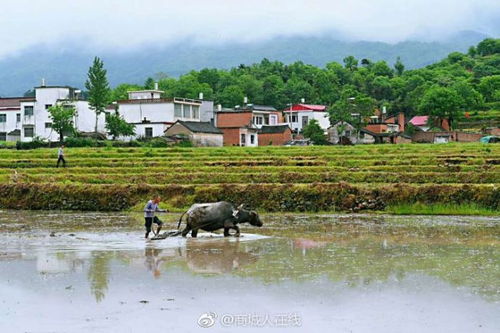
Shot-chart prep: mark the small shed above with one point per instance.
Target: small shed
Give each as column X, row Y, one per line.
column 342, row 129
column 202, row 134
column 276, row 135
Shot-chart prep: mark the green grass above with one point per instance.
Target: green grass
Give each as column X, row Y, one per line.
column 285, row 178
column 440, row 209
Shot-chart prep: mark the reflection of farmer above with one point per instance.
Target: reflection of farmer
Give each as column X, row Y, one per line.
column 60, row 157
column 152, row 261
column 149, row 215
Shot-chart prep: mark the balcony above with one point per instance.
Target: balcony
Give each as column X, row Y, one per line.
column 29, row 120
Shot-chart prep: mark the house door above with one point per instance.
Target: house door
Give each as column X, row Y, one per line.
column 243, row 139
column 273, row 119
column 305, row 121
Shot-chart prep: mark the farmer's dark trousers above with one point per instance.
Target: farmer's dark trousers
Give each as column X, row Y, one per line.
column 61, row 158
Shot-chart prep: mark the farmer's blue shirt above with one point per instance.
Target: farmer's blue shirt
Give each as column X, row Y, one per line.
column 150, row 209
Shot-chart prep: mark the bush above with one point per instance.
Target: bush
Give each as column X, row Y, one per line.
column 37, row 142
column 83, row 142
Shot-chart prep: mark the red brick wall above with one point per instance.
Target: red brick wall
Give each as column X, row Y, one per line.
column 234, row 119
column 276, row 139
column 377, row 128
column 493, row 131
column 231, row 136
column 401, row 121
column 467, row 137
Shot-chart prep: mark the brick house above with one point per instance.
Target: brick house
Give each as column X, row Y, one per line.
column 275, row 135
column 241, row 124
column 201, row 134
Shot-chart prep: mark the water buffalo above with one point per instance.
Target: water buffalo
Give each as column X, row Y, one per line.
column 217, row 215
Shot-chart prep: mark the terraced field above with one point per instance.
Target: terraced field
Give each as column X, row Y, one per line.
column 270, row 178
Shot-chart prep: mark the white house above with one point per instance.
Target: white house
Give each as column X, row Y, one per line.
column 299, row 115
column 152, row 115
column 28, row 117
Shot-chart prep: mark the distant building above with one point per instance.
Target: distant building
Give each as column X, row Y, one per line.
column 23, row 118
column 342, row 130
column 202, row 134
column 299, row 115
column 152, row 115
column 241, row 124
column 422, row 123
column 380, row 122
column 275, row 135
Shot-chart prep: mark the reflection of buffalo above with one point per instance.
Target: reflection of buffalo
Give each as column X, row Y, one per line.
column 217, row 256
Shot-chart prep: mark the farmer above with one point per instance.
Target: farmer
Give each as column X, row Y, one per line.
column 149, row 215
column 60, row 157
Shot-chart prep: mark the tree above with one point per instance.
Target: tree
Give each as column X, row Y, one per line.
column 488, row 46
column 399, row 67
column 350, row 63
column 440, row 103
column 314, row 132
column 99, row 93
column 117, row 126
column 62, row 119
column 490, row 88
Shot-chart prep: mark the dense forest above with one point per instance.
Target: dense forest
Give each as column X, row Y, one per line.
column 460, row 82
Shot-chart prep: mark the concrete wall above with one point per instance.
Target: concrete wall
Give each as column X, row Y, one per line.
column 333, row 135
column 320, row 116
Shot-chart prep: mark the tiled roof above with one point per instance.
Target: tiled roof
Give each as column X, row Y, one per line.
column 200, row 127
column 310, row 107
column 419, row 120
column 13, row 102
column 270, row 129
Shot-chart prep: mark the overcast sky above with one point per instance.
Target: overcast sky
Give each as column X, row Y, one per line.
column 126, row 24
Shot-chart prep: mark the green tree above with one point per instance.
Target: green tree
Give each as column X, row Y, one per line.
column 117, row 126
column 490, row 88
column 62, row 119
column 231, row 96
column 399, row 67
column 488, row 46
column 314, row 132
column 99, row 93
column 351, row 63
column 121, row 91
column 441, row 103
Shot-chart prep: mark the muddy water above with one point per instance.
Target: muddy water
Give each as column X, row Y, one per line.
column 93, row 272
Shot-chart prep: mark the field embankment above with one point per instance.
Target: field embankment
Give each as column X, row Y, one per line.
column 370, row 177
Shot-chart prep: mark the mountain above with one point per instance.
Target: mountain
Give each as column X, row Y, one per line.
column 67, row 64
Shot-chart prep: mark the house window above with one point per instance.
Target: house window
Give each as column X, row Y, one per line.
column 243, row 139
column 196, row 112
column 252, row 139
column 362, row 135
column 148, row 132
column 3, row 136
column 28, row 132
column 178, row 110
column 293, row 118
column 48, row 125
column 258, row 120
column 186, row 111
column 347, row 133
column 18, row 117
column 47, row 106
column 3, row 118
column 28, row 110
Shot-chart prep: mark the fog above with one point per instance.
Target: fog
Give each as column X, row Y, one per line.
column 126, row 24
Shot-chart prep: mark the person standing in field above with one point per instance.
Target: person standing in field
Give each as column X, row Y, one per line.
column 149, row 215
column 60, row 157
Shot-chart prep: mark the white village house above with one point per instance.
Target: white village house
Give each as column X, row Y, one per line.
column 23, row 118
column 152, row 115
column 299, row 115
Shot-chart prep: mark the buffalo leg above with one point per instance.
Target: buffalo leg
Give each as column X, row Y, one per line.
column 226, row 232
column 186, row 230
column 237, row 234
column 194, row 233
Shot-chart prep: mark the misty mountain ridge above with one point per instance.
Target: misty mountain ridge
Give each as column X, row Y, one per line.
column 67, row 64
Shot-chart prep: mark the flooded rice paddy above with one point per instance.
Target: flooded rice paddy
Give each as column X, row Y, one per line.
column 93, row 272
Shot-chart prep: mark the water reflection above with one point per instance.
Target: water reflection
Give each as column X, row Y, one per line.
column 353, row 253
